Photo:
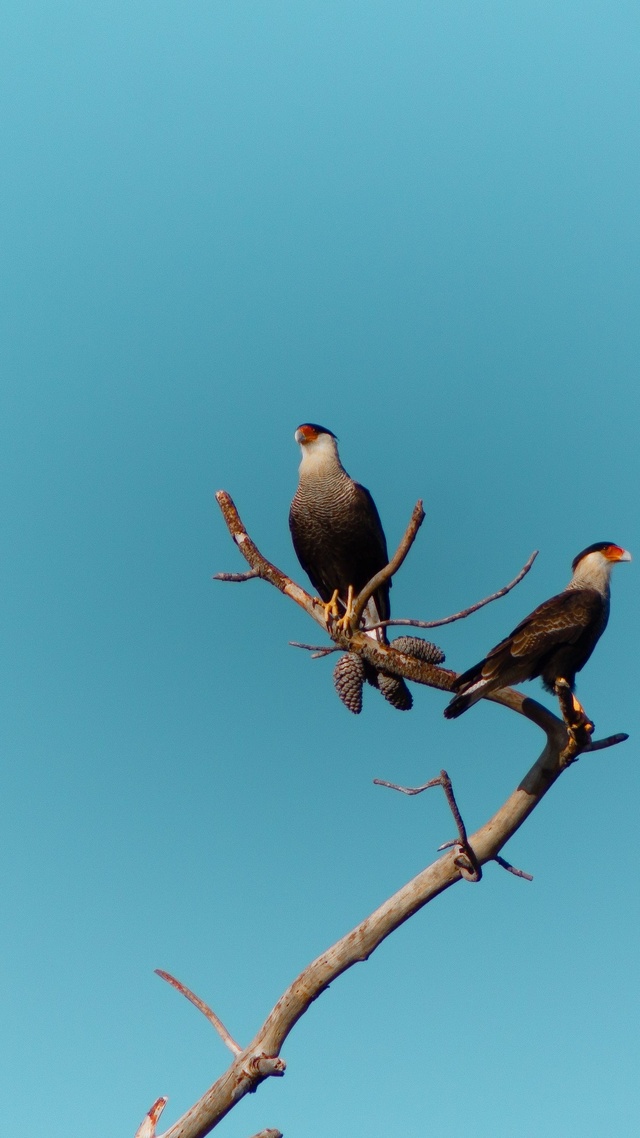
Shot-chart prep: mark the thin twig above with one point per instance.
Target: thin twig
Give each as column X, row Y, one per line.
column 453, row 806
column 442, row 780
column 391, row 567
column 317, row 649
column 202, row 1007
column 464, row 612
column 235, row 577
column 466, row 860
column 512, row 869
column 408, row 789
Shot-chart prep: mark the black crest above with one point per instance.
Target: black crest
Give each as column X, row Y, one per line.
column 597, row 547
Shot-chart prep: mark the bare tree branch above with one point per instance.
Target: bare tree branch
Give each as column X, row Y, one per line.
column 512, row 869
column 464, row 612
column 382, row 656
column 466, row 860
column 391, row 567
column 318, row 650
column 408, row 789
column 236, row 577
column 147, row 1128
column 202, row 1007
column 610, row 741
column 261, row 566
column 261, row 1059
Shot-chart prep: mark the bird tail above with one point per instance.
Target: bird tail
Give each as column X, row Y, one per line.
column 469, row 688
column 372, row 616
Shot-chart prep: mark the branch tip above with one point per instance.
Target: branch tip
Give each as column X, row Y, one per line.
column 318, row 650
column 464, row 612
column 512, row 869
column 610, row 741
column 147, row 1128
column 235, row 577
column 408, row 789
column 202, row 1007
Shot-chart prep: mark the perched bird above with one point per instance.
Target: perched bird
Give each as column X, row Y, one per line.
column 554, row 641
column 339, row 541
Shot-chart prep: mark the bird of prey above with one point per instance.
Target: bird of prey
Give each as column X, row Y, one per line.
column 338, row 538
column 554, row 641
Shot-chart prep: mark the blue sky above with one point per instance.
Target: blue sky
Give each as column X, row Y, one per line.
column 417, row 224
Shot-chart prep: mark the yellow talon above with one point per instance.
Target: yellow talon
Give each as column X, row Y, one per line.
column 345, row 621
column 331, row 607
column 577, row 706
column 579, row 719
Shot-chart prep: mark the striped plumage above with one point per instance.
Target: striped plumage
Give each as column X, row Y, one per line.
column 338, row 536
column 555, row 640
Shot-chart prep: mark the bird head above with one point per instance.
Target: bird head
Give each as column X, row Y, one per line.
column 603, row 550
column 310, row 433
column 594, row 564
column 318, row 446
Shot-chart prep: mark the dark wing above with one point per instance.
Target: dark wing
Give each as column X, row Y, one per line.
column 373, row 554
column 339, row 540
column 567, row 619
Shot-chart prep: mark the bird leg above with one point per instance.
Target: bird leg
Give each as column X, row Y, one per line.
column 578, row 724
column 331, row 609
column 344, row 624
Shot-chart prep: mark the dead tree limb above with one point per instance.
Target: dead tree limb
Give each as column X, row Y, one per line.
column 260, row 567
column 261, row 1058
column 147, row 1128
column 202, row 1007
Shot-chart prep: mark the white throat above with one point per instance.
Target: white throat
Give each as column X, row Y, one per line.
column 319, row 457
column 593, row 572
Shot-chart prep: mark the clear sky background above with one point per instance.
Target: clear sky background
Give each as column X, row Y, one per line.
column 415, row 223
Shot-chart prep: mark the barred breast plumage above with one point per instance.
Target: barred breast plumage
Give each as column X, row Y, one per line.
column 338, row 537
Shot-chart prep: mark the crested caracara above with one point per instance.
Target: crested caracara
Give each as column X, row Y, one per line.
column 555, row 640
column 339, row 540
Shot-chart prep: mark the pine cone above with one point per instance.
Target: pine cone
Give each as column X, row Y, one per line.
column 418, row 648
column 395, row 691
column 348, row 678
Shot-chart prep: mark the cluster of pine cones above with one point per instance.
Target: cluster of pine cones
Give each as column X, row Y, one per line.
column 351, row 672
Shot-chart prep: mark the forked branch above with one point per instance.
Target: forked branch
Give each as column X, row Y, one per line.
column 382, row 656
column 261, row 1058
